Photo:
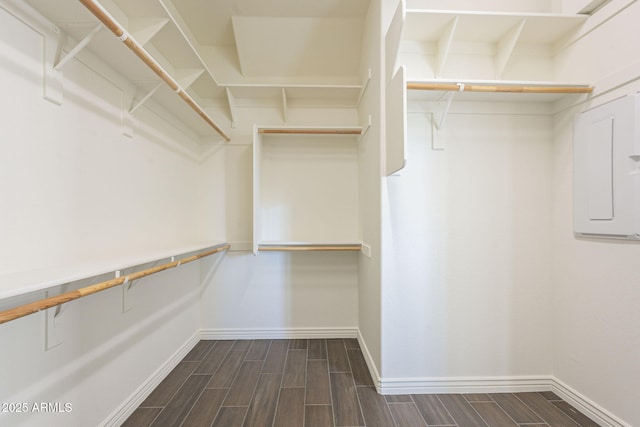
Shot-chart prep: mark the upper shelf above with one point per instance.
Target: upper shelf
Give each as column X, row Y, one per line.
column 510, row 46
column 488, row 27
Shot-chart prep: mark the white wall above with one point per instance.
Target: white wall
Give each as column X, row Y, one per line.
column 595, row 282
column 278, row 293
column 73, row 190
column 469, row 294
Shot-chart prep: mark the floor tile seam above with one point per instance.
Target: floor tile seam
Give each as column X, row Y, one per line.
column 541, row 417
column 306, row 381
column 527, row 406
column 177, row 389
column 499, row 407
column 205, row 354
column 155, row 418
column 534, row 424
column 305, row 369
column 353, row 380
column 257, row 360
column 220, row 364
column 477, row 401
column 333, row 410
column 420, row 412
column 446, row 409
column 193, row 406
column 395, row 422
column 221, row 402
column 253, row 392
column 275, row 411
column 478, row 413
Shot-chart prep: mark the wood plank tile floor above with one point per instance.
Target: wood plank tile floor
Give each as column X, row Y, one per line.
column 323, row 383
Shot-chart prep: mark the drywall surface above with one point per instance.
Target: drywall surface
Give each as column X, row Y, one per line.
column 596, row 282
column 282, row 294
column 75, row 190
column 467, row 294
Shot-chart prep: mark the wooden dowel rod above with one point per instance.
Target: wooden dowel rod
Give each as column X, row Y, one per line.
column 309, row 248
column 312, row 131
column 141, row 53
column 43, row 304
column 502, row 89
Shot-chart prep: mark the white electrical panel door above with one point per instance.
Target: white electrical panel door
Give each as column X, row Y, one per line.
column 606, row 170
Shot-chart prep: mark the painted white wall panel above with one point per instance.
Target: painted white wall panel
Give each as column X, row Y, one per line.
column 469, row 242
column 280, row 292
column 595, row 282
column 73, row 189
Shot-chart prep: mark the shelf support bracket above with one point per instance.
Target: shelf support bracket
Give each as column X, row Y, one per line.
column 444, row 45
column 285, row 109
column 365, row 85
column 506, row 46
column 54, row 327
column 231, row 100
column 438, row 117
column 81, row 45
column 127, row 286
column 144, row 99
column 53, row 78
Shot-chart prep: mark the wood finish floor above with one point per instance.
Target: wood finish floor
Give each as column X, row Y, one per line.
column 320, row 383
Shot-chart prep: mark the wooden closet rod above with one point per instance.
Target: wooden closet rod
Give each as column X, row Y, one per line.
column 109, row 22
column 502, row 88
column 43, row 304
column 312, row 131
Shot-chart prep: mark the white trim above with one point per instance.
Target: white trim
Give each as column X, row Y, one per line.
column 441, row 385
column 585, row 405
column 373, row 370
column 131, row 403
column 277, row 333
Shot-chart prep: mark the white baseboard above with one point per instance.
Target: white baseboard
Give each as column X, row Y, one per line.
column 277, row 333
column 585, row 405
column 507, row 384
column 453, row 385
column 120, row 414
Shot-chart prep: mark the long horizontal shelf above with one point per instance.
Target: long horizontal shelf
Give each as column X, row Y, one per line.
column 56, row 300
column 309, row 247
column 491, row 27
column 118, row 30
column 311, row 131
column 21, row 283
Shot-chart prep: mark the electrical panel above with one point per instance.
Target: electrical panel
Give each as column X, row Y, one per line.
column 606, row 170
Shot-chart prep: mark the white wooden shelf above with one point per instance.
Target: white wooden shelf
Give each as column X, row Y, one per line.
column 492, row 34
column 309, row 246
column 21, row 283
column 305, row 188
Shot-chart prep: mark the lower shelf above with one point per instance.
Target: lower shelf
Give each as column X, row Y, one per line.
column 309, row 247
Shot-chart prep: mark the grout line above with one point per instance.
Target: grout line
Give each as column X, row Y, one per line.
column 333, row 412
column 346, row 352
column 446, row 409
